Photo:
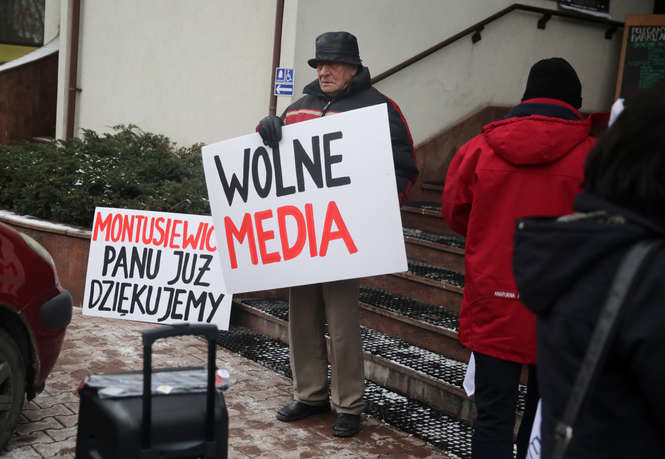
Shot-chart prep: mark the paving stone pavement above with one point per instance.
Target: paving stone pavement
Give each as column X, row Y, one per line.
column 48, row 424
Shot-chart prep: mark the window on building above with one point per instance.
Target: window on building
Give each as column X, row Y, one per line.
column 21, row 27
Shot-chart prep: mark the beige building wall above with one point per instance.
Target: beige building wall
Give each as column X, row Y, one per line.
column 194, row 71
column 454, row 82
column 64, row 32
column 51, row 20
column 200, row 71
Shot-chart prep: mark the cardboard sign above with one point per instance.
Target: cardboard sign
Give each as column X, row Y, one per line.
column 469, row 383
column 155, row 267
column 321, row 207
column 535, row 442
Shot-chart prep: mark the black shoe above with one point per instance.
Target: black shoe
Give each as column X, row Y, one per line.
column 346, row 425
column 299, row 410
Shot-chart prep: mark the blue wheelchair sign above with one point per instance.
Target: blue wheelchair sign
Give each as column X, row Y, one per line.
column 283, row 81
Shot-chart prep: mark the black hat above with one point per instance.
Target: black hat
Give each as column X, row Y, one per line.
column 336, row 47
column 554, row 78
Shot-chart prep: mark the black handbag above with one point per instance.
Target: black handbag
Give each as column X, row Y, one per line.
column 601, row 338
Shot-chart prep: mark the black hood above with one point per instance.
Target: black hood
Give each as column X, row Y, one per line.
column 551, row 254
column 359, row 82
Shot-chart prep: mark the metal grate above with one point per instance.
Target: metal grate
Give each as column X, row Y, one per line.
column 268, row 352
column 402, row 305
column 426, row 362
column 394, row 349
column 416, row 418
column 273, row 306
column 408, row 307
column 435, row 273
column 410, row 416
column 452, row 241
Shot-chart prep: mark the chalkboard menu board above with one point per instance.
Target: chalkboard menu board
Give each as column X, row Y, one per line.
column 642, row 62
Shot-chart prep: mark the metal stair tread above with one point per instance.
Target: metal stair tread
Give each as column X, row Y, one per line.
column 451, row 372
column 401, row 305
column 437, row 428
column 408, row 307
column 425, row 215
column 429, row 236
column 419, row 269
column 430, row 364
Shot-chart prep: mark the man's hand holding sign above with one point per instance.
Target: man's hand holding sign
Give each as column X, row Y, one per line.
column 321, row 206
column 315, row 209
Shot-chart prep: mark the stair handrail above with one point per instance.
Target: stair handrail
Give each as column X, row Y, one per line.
column 476, row 28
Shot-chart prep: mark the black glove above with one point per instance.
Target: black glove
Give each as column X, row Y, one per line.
column 270, row 129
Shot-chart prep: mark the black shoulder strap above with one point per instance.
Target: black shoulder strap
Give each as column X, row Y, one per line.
column 600, row 340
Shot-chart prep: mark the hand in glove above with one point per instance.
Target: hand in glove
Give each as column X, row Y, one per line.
column 270, row 129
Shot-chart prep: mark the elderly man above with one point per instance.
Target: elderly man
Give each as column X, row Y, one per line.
column 343, row 84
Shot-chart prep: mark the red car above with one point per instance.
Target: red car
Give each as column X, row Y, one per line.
column 34, row 313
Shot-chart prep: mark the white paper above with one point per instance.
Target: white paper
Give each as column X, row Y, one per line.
column 469, row 383
column 155, row 267
column 617, row 108
column 534, row 441
column 357, row 195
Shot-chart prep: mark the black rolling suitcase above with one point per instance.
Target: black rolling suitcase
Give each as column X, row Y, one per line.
column 175, row 425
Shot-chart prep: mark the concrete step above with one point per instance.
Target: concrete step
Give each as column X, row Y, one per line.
column 451, row 434
column 428, row 326
column 425, row 216
column 424, row 325
column 436, row 249
column 390, row 362
column 425, row 283
column 432, row 191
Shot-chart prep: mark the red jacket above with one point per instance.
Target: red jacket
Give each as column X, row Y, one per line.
column 529, row 164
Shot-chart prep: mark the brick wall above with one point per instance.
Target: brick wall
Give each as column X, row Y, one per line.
column 28, row 95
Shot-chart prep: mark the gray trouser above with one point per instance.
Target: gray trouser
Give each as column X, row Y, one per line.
column 309, row 307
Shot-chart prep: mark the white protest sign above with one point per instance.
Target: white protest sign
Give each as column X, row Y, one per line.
column 535, row 443
column 155, row 267
column 321, row 207
column 469, row 383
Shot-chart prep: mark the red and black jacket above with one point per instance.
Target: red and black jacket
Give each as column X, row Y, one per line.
column 360, row 93
column 529, row 164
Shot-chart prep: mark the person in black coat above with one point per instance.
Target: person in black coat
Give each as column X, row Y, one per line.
column 342, row 84
column 564, row 269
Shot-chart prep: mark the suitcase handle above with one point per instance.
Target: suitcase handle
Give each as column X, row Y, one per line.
column 148, row 337
column 151, row 335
